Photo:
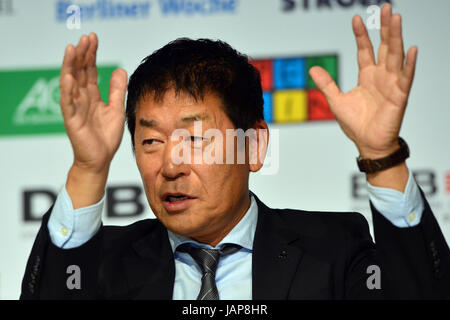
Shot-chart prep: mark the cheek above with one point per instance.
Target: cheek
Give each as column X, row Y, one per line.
column 217, row 179
column 148, row 169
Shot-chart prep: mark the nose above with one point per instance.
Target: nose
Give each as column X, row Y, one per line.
column 174, row 165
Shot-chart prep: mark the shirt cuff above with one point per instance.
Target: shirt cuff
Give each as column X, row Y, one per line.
column 69, row 228
column 403, row 210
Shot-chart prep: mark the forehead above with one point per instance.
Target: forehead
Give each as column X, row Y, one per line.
column 177, row 106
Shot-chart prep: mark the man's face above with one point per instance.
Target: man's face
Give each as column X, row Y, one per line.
column 197, row 200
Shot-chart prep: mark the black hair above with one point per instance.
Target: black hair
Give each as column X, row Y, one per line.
column 197, row 67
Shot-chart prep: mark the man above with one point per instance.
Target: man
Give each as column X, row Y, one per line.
column 213, row 238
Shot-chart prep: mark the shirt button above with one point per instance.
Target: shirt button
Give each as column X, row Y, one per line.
column 64, row 231
column 412, row 216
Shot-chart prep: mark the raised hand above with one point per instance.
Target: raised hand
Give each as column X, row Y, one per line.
column 95, row 129
column 371, row 114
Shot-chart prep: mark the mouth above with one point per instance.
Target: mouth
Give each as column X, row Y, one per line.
column 177, row 201
column 175, row 197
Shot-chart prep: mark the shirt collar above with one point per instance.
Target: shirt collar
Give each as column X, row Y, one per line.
column 242, row 234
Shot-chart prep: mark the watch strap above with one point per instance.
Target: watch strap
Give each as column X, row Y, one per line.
column 375, row 165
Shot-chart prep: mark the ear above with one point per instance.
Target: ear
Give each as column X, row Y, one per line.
column 258, row 144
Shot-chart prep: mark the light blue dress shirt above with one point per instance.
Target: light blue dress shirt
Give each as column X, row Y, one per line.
column 69, row 228
column 234, row 272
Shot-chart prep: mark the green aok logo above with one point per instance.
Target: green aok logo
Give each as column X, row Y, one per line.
column 29, row 100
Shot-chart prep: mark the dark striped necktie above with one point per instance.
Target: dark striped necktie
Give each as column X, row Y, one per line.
column 207, row 260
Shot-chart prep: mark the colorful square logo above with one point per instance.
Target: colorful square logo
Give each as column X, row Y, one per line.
column 290, row 95
column 329, row 63
column 318, row 106
column 266, row 71
column 289, row 73
column 291, row 106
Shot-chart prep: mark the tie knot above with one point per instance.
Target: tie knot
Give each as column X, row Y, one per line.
column 207, row 259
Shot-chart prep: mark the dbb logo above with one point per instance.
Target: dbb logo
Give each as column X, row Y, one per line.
column 426, row 179
column 121, row 201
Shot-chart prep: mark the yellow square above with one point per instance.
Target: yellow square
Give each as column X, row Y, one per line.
column 290, row 106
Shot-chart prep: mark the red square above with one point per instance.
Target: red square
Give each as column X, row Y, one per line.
column 265, row 69
column 318, row 108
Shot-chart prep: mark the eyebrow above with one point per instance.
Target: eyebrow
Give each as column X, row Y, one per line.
column 148, row 123
column 186, row 119
column 195, row 117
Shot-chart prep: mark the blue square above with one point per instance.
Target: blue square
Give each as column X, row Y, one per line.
column 268, row 112
column 289, row 73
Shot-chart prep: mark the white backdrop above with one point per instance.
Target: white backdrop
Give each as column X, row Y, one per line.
column 316, row 160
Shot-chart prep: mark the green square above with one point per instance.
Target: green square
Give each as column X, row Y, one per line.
column 329, row 63
column 29, row 100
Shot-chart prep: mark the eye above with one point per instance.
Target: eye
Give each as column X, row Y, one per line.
column 150, row 142
column 195, row 141
column 194, row 138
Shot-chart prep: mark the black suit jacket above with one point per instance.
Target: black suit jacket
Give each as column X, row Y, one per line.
column 296, row 255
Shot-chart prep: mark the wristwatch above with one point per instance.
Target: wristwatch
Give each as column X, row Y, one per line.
column 371, row 166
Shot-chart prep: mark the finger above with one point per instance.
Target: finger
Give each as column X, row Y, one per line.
column 80, row 61
column 68, row 68
column 365, row 49
column 117, row 89
column 409, row 69
column 91, row 57
column 325, row 83
column 91, row 69
column 66, row 99
column 386, row 13
column 68, row 63
column 396, row 54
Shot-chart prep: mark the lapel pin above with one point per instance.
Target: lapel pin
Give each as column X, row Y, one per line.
column 283, row 254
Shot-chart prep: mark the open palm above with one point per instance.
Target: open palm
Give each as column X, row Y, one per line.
column 371, row 114
column 95, row 129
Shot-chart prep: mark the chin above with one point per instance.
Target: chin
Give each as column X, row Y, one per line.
column 180, row 223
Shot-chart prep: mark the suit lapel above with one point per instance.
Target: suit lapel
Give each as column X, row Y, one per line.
column 275, row 257
column 150, row 269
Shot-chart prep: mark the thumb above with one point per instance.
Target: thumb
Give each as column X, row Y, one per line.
column 325, row 83
column 117, row 88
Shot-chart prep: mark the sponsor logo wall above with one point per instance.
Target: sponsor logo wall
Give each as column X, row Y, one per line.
column 283, row 38
column 30, row 100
